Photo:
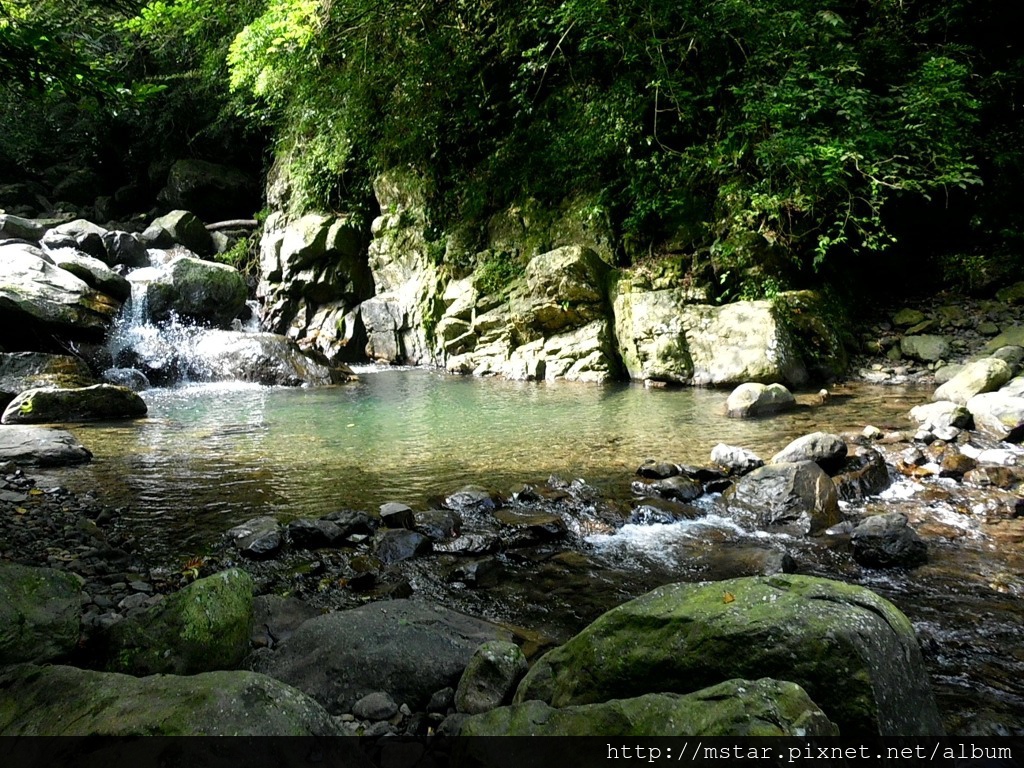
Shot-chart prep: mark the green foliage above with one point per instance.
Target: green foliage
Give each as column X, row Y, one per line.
column 495, row 272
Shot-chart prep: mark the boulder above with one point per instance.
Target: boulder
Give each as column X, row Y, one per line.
column 100, row 402
column 39, row 614
column 490, row 677
column 131, row 378
column 1011, row 294
column 315, row 534
column 39, row 299
column 925, row 348
column 864, row 473
column 741, row 342
column 261, row 358
column 886, row 541
column 1012, row 356
column 18, row 228
column 985, row 375
column 192, row 289
column 944, row 413
column 649, row 333
column 212, row 190
column 1010, row 337
column 405, row 648
column 907, row 317
column 202, row 627
column 124, row 249
column 65, row 701
column 94, row 272
column 794, row 497
column 397, row 544
column 826, row 450
column 735, row 460
column 737, row 708
column 678, row 488
column 753, row 399
column 394, row 514
column 84, row 236
column 41, row 446
column 258, row 538
column 854, row 653
column 179, row 228
column 998, row 414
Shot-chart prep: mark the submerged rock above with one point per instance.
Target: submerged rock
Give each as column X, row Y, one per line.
column 100, row 402
column 854, row 653
column 64, row 701
column 741, row 708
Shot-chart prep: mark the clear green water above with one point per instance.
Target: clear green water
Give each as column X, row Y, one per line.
column 209, row 456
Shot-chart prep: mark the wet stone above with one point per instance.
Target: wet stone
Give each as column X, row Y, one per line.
column 351, row 522
column 394, row 514
column 677, row 488
column 259, row 538
column 472, row 498
column 315, row 534
column 477, row 573
column 442, row 700
column 956, row 465
column 375, row 706
column 470, row 544
column 657, row 470
column 438, row 524
column 886, row 541
column 652, row 511
column 395, row 545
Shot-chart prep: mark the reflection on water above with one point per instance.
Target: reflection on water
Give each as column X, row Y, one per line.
column 211, row 455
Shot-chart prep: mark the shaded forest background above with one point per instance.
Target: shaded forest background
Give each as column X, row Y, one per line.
column 858, row 144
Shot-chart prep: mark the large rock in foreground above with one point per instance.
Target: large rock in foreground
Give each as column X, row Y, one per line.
column 734, row 708
column 201, row 628
column 41, row 446
column 100, row 402
column 65, row 701
column 39, row 610
column 852, row 651
column 985, row 375
column 408, row 649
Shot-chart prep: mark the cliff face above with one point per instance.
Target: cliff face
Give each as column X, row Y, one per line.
column 540, row 300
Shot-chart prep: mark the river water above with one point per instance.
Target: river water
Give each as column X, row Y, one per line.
column 212, row 455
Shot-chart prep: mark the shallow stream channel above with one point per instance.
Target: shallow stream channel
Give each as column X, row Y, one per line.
column 211, row 456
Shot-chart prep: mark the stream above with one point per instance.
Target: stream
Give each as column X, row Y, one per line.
column 210, row 456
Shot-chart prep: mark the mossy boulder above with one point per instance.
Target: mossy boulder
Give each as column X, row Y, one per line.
column 194, row 290
column 65, row 701
column 734, row 708
column 100, row 402
column 39, row 616
column 490, row 677
column 203, row 627
column 852, row 651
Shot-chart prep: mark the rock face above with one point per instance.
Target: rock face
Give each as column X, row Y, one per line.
column 796, row 497
column 407, row 649
column 41, row 446
column 212, row 191
column 201, row 628
column 985, row 375
column 649, row 332
column 753, row 399
column 39, row 299
column 39, row 610
column 741, row 342
column 314, row 274
column 65, row 701
column 261, row 358
column 853, row 652
column 762, row 707
column 191, row 289
column 100, row 402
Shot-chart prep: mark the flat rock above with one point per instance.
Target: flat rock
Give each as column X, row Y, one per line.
column 100, row 402
column 41, row 446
